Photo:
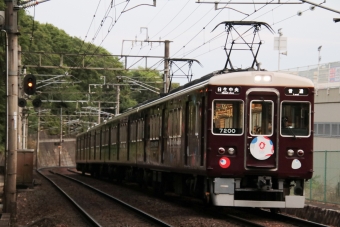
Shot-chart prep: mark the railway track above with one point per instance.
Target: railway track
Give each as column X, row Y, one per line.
column 291, row 220
column 201, row 214
column 99, row 207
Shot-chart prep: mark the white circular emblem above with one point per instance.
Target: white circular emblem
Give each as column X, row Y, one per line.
column 296, row 164
column 261, row 148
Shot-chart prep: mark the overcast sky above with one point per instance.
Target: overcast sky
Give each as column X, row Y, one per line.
column 188, row 25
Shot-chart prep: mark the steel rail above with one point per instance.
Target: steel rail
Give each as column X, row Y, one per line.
column 89, row 217
column 140, row 212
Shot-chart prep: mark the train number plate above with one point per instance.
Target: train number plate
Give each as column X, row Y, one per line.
column 227, row 130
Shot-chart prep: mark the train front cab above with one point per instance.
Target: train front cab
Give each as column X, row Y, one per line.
column 260, row 146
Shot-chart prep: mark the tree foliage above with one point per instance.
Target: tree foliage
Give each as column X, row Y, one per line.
column 70, row 87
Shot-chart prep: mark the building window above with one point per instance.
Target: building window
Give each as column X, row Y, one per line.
column 327, row 129
column 335, row 130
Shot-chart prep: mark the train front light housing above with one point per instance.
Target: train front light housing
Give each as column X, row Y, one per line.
column 231, row 150
column 267, row 78
column 258, row 78
column 290, row 152
column 300, row 152
column 221, row 150
column 262, row 78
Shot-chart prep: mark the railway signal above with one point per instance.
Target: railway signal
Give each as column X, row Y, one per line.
column 36, row 102
column 22, row 102
column 30, row 84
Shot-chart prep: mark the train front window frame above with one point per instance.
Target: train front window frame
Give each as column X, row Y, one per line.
column 261, row 117
column 295, row 119
column 228, row 117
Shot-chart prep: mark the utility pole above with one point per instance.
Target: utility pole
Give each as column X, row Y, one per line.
column 20, row 109
column 11, row 27
column 61, row 134
column 117, row 99
column 99, row 110
column 38, row 141
column 166, row 79
column 319, row 59
column 280, row 34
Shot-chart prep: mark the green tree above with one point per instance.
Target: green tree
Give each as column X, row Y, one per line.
column 70, row 84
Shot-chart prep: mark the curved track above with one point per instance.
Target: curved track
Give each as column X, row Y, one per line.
column 94, row 204
column 170, row 208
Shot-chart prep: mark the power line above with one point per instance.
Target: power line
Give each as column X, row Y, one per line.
column 109, row 30
column 200, row 30
column 182, row 21
column 172, row 19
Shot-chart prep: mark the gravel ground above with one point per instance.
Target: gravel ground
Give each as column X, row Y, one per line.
column 45, row 206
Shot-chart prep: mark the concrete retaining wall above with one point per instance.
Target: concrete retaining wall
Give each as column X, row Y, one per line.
column 316, row 214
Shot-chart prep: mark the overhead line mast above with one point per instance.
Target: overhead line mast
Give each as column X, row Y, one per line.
column 272, row 3
column 12, row 90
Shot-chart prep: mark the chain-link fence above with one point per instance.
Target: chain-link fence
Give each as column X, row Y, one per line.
column 325, row 184
column 323, row 75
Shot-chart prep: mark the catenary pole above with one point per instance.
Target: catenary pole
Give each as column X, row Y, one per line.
column 61, row 134
column 11, row 27
column 117, row 99
column 20, row 110
column 166, row 80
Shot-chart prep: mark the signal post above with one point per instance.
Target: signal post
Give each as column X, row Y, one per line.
column 11, row 28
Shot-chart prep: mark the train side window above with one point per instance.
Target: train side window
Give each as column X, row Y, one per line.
column 140, row 129
column 228, row 117
column 98, row 137
column 114, row 135
column 295, row 118
column 159, row 130
column 133, row 131
column 153, row 127
column 122, row 133
column 261, row 117
column 93, row 140
column 179, row 122
column 170, row 121
column 175, row 123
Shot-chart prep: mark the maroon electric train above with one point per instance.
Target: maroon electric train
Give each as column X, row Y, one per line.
column 233, row 138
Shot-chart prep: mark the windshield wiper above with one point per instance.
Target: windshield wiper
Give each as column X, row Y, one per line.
column 290, row 129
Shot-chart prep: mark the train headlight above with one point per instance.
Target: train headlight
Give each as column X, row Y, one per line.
column 221, row 150
column 290, row 152
column 262, row 78
column 258, row 78
column 231, row 150
column 267, row 78
column 300, row 152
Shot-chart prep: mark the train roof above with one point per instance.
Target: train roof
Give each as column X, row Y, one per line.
column 248, row 78
column 224, row 78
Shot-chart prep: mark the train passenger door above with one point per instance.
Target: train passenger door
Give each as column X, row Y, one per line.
column 192, row 140
column 262, row 123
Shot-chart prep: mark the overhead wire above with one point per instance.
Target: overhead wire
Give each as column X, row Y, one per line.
column 113, row 23
column 218, row 34
column 201, row 30
column 31, row 39
column 172, row 19
column 274, row 23
column 94, row 16
column 157, row 14
column 183, row 20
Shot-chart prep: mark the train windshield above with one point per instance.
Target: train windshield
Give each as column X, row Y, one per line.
column 295, row 119
column 261, row 117
column 228, row 117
